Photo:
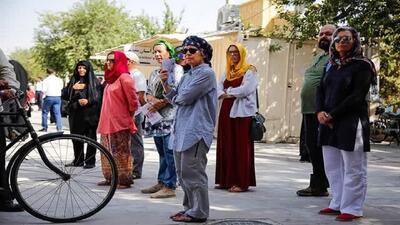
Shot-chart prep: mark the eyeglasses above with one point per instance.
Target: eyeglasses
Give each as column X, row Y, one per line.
column 235, row 52
column 190, row 50
column 345, row 39
column 110, row 60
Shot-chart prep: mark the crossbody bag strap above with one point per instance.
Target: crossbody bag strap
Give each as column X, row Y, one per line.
column 257, row 99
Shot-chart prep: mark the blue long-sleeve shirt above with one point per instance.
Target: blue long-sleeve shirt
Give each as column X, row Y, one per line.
column 196, row 101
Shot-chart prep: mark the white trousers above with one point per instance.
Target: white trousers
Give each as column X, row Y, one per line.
column 347, row 175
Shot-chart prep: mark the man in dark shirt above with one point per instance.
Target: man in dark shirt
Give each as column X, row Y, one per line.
column 318, row 181
column 8, row 81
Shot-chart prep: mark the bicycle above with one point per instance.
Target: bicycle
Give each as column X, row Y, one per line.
column 43, row 185
column 386, row 127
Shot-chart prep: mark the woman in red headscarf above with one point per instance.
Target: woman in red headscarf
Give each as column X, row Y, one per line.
column 116, row 120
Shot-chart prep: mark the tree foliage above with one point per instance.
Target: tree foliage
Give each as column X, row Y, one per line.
column 376, row 20
column 28, row 61
column 170, row 22
column 91, row 26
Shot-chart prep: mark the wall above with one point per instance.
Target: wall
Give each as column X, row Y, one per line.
column 257, row 13
column 280, row 80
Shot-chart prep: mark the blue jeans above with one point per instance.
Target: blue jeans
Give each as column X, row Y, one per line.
column 52, row 103
column 166, row 172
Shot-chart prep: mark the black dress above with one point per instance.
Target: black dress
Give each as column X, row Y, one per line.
column 83, row 120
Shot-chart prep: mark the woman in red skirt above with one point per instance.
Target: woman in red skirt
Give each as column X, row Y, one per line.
column 235, row 149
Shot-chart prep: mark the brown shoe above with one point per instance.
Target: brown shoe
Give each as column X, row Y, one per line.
column 164, row 193
column 152, row 189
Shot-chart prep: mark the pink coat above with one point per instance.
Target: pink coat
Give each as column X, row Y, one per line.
column 119, row 105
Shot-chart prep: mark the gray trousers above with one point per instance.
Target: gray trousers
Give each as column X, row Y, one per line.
column 191, row 170
column 137, row 148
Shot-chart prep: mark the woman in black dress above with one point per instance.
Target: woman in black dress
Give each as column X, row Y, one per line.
column 84, row 93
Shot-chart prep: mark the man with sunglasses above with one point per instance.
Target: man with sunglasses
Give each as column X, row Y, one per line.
column 318, row 181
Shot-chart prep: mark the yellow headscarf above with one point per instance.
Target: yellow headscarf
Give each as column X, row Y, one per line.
column 241, row 68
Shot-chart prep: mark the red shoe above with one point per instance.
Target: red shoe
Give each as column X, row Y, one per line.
column 329, row 211
column 346, row 217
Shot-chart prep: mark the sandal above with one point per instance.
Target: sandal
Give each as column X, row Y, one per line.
column 123, row 186
column 104, row 183
column 180, row 213
column 188, row 219
column 220, row 187
column 237, row 189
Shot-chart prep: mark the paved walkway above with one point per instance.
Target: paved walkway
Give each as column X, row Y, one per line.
column 273, row 201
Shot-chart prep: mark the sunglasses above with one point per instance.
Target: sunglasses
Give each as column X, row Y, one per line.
column 190, row 50
column 110, row 60
column 345, row 39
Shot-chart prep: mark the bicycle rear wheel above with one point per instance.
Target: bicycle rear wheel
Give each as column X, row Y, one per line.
column 45, row 195
column 377, row 131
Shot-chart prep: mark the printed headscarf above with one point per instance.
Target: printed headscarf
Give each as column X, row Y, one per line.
column 354, row 54
column 201, row 44
column 120, row 67
column 169, row 46
column 89, row 79
column 241, row 68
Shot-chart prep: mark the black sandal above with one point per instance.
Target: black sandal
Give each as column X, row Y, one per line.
column 189, row 219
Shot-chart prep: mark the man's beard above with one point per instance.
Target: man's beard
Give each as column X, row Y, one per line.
column 324, row 44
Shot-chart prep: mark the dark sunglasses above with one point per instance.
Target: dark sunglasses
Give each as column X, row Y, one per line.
column 190, row 50
column 346, row 39
column 110, row 60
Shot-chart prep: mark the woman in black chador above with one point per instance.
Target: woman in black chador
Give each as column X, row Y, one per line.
column 84, row 93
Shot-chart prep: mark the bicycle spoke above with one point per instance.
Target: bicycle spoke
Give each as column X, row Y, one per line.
column 47, row 195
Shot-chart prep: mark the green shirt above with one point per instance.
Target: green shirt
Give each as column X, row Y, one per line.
column 312, row 77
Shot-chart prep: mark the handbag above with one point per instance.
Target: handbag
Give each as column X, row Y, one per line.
column 257, row 129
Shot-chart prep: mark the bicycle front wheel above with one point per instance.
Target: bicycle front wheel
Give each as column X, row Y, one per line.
column 45, row 195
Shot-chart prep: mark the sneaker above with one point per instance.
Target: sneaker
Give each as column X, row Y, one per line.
column 312, row 192
column 152, row 189
column 43, row 130
column 164, row 193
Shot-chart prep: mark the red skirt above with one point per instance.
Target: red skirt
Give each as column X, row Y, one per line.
column 235, row 150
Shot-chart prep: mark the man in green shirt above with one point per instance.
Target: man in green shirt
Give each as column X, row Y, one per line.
column 318, row 181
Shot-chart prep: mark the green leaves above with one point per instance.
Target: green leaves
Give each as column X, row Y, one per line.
column 92, row 26
column 376, row 20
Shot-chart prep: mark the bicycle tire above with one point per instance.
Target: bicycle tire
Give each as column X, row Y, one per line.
column 377, row 131
column 79, row 193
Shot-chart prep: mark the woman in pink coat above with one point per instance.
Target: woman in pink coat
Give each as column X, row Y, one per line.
column 116, row 120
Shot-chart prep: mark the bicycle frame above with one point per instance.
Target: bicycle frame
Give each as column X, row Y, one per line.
column 35, row 138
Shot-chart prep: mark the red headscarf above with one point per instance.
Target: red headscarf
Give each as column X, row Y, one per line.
column 120, row 67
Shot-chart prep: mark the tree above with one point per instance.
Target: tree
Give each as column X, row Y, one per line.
column 146, row 26
column 376, row 20
column 92, row 26
column 170, row 22
column 27, row 60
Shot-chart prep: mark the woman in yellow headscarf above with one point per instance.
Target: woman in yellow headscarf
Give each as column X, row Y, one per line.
column 235, row 149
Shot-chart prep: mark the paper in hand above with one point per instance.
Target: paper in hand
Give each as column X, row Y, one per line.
column 169, row 66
